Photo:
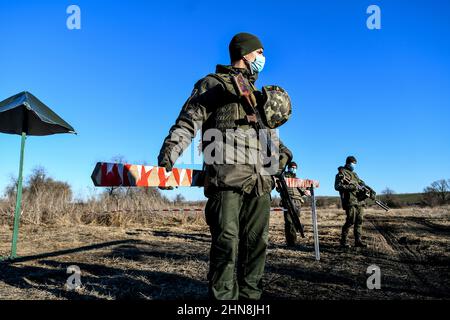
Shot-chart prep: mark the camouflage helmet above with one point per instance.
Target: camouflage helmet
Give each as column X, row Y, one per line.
column 277, row 107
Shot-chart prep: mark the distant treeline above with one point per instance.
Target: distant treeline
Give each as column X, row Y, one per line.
column 49, row 197
column 438, row 193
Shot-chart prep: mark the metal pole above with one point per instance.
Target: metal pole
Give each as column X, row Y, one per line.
column 18, row 201
column 314, row 222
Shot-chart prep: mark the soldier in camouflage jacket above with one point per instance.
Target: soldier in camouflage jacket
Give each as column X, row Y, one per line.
column 238, row 206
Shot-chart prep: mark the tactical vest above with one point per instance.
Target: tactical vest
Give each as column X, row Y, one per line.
column 350, row 198
column 231, row 113
column 295, row 194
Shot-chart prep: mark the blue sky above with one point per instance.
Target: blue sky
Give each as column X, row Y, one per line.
column 381, row 95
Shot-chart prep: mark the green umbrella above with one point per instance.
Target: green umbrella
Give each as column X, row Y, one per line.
column 24, row 114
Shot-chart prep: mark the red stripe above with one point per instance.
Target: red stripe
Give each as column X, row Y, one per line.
column 176, row 174
column 189, row 174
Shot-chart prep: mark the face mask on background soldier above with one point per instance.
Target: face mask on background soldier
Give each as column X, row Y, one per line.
column 293, row 170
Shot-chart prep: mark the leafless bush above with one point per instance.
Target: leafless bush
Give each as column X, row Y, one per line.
column 438, row 193
column 43, row 198
column 388, row 197
column 47, row 201
column 179, row 199
column 325, row 202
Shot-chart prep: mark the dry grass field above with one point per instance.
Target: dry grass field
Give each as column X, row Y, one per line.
column 167, row 258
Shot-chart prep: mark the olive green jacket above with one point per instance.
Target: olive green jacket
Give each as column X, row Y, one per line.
column 296, row 194
column 348, row 190
column 215, row 104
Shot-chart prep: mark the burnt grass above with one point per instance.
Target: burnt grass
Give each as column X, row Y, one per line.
column 169, row 260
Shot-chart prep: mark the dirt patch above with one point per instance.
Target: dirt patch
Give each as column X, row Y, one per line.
column 169, row 260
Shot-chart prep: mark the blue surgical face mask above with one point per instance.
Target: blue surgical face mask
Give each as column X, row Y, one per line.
column 353, row 166
column 258, row 64
column 293, row 170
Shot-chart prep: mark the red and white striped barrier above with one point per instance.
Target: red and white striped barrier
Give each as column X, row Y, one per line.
column 278, row 209
column 129, row 175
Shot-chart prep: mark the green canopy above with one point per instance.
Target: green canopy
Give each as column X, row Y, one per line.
column 26, row 115
column 24, row 112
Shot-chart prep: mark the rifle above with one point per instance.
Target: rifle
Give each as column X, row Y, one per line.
column 364, row 192
column 244, row 88
column 289, row 205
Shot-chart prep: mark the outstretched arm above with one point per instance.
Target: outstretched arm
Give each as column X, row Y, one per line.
column 194, row 113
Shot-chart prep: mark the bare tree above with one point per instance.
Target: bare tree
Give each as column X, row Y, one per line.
column 438, row 193
column 388, row 192
column 442, row 188
column 388, row 196
column 179, row 199
column 11, row 188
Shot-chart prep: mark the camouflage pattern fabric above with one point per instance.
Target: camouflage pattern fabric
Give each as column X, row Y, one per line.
column 348, row 191
column 297, row 195
column 215, row 104
column 354, row 217
column 353, row 206
column 277, row 109
column 238, row 206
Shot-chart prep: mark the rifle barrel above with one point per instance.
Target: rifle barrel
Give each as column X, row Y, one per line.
column 382, row 205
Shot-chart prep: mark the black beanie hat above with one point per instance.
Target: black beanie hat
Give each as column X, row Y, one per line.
column 350, row 159
column 242, row 44
column 292, row 164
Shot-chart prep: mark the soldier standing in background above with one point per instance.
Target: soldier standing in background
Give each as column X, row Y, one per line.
column 297, row 195
column 348, row 184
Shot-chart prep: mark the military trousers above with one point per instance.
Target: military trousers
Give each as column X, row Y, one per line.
column 354, row 217
column 239, row 225
column 289, row 228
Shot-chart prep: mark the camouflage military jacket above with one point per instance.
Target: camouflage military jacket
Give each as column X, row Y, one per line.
column 296, row 194
column 348, row 190
column 215, row 104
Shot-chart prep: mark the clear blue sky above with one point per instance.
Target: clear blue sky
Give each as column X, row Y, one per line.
column 381, row 95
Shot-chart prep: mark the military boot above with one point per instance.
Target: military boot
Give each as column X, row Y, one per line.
column 291, row 237
column 360, row 244
column 344, row 244
column 343, row 241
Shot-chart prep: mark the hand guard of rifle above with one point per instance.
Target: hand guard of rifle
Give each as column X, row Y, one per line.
column 366, row 193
